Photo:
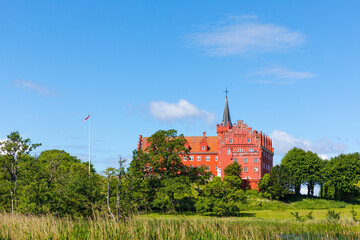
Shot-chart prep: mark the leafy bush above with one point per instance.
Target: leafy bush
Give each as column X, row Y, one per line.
column 333, row 216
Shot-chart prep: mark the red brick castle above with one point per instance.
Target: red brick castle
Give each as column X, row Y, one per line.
column 234, row 142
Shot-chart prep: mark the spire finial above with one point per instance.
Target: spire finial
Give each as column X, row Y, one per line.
column 226, row 116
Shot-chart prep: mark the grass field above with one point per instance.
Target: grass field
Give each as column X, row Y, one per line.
column 256, row 224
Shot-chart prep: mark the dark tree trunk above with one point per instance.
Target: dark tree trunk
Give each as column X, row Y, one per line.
column 297, row 189
column 325, row 191
column 336, row 193
column 321, row 190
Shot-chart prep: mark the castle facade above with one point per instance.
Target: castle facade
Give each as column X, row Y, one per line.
column 234, row 142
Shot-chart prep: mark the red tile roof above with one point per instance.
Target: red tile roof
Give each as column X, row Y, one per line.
column 194, row 143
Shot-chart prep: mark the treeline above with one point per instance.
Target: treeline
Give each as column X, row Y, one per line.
column 337, row 178
column 59, row 184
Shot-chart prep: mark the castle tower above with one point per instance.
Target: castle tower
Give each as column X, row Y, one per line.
column 239, row 143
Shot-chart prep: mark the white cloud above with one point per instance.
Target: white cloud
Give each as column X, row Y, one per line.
column 283, row 142
column 247, row 36
column 183, row 110
column 284, row 73
column 33, row 86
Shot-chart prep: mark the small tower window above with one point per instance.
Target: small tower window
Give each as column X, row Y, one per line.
column 248, row 140
column 231, row 141
column 228, row 151
column 203, row 147
column 216, row 158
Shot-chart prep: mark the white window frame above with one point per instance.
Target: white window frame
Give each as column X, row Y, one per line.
column 251, row 149
column 207, row 158
column 245, row 160
column 184, row 158
column 256, row 169
column 216, row 158
column 245, row 169
column 198, row 158
column 255, row 160
column 240, row 150
column 191, row 158
column 248, row 140
column 203, row 148
column 207, row 168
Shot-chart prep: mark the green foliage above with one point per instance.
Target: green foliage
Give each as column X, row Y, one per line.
column 297, row 216
column 221, row 198
column 271, row 185
column 333, row 216
column 161, row 180
column 15, row 152
column 343, row 173
column 312, row 167
column 318, row 204
column 233, row 169
column 353, row 214
column 294, row 162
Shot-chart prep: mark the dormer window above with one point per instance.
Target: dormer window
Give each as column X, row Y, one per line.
column 203, row 148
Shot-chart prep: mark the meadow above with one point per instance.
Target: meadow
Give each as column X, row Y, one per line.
column 253, row 224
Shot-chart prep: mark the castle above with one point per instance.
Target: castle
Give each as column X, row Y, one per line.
column 234, row 142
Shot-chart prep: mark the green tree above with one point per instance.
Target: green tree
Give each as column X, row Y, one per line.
column 153, row 169
column 311, row 170
column 14, row 149
column 233, row 169
column 221, row 198
column 163, row 153
column 343, row 173
column 271, row 185
column 58, row 183
column 294, row 162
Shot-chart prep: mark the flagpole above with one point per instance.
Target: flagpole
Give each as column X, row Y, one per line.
column 89, row 148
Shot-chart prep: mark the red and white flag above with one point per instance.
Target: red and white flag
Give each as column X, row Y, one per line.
column 86, row 118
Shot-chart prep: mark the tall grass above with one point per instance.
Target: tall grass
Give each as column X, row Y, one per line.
column 47, row 227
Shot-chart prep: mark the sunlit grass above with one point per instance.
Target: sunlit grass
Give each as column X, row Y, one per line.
column 156, row 226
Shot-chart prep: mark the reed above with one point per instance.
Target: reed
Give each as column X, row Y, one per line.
column 173, row 227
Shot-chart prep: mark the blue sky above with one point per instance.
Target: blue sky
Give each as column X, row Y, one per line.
column 291, row 68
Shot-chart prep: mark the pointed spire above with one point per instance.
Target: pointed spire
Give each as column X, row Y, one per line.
column 226, row 116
